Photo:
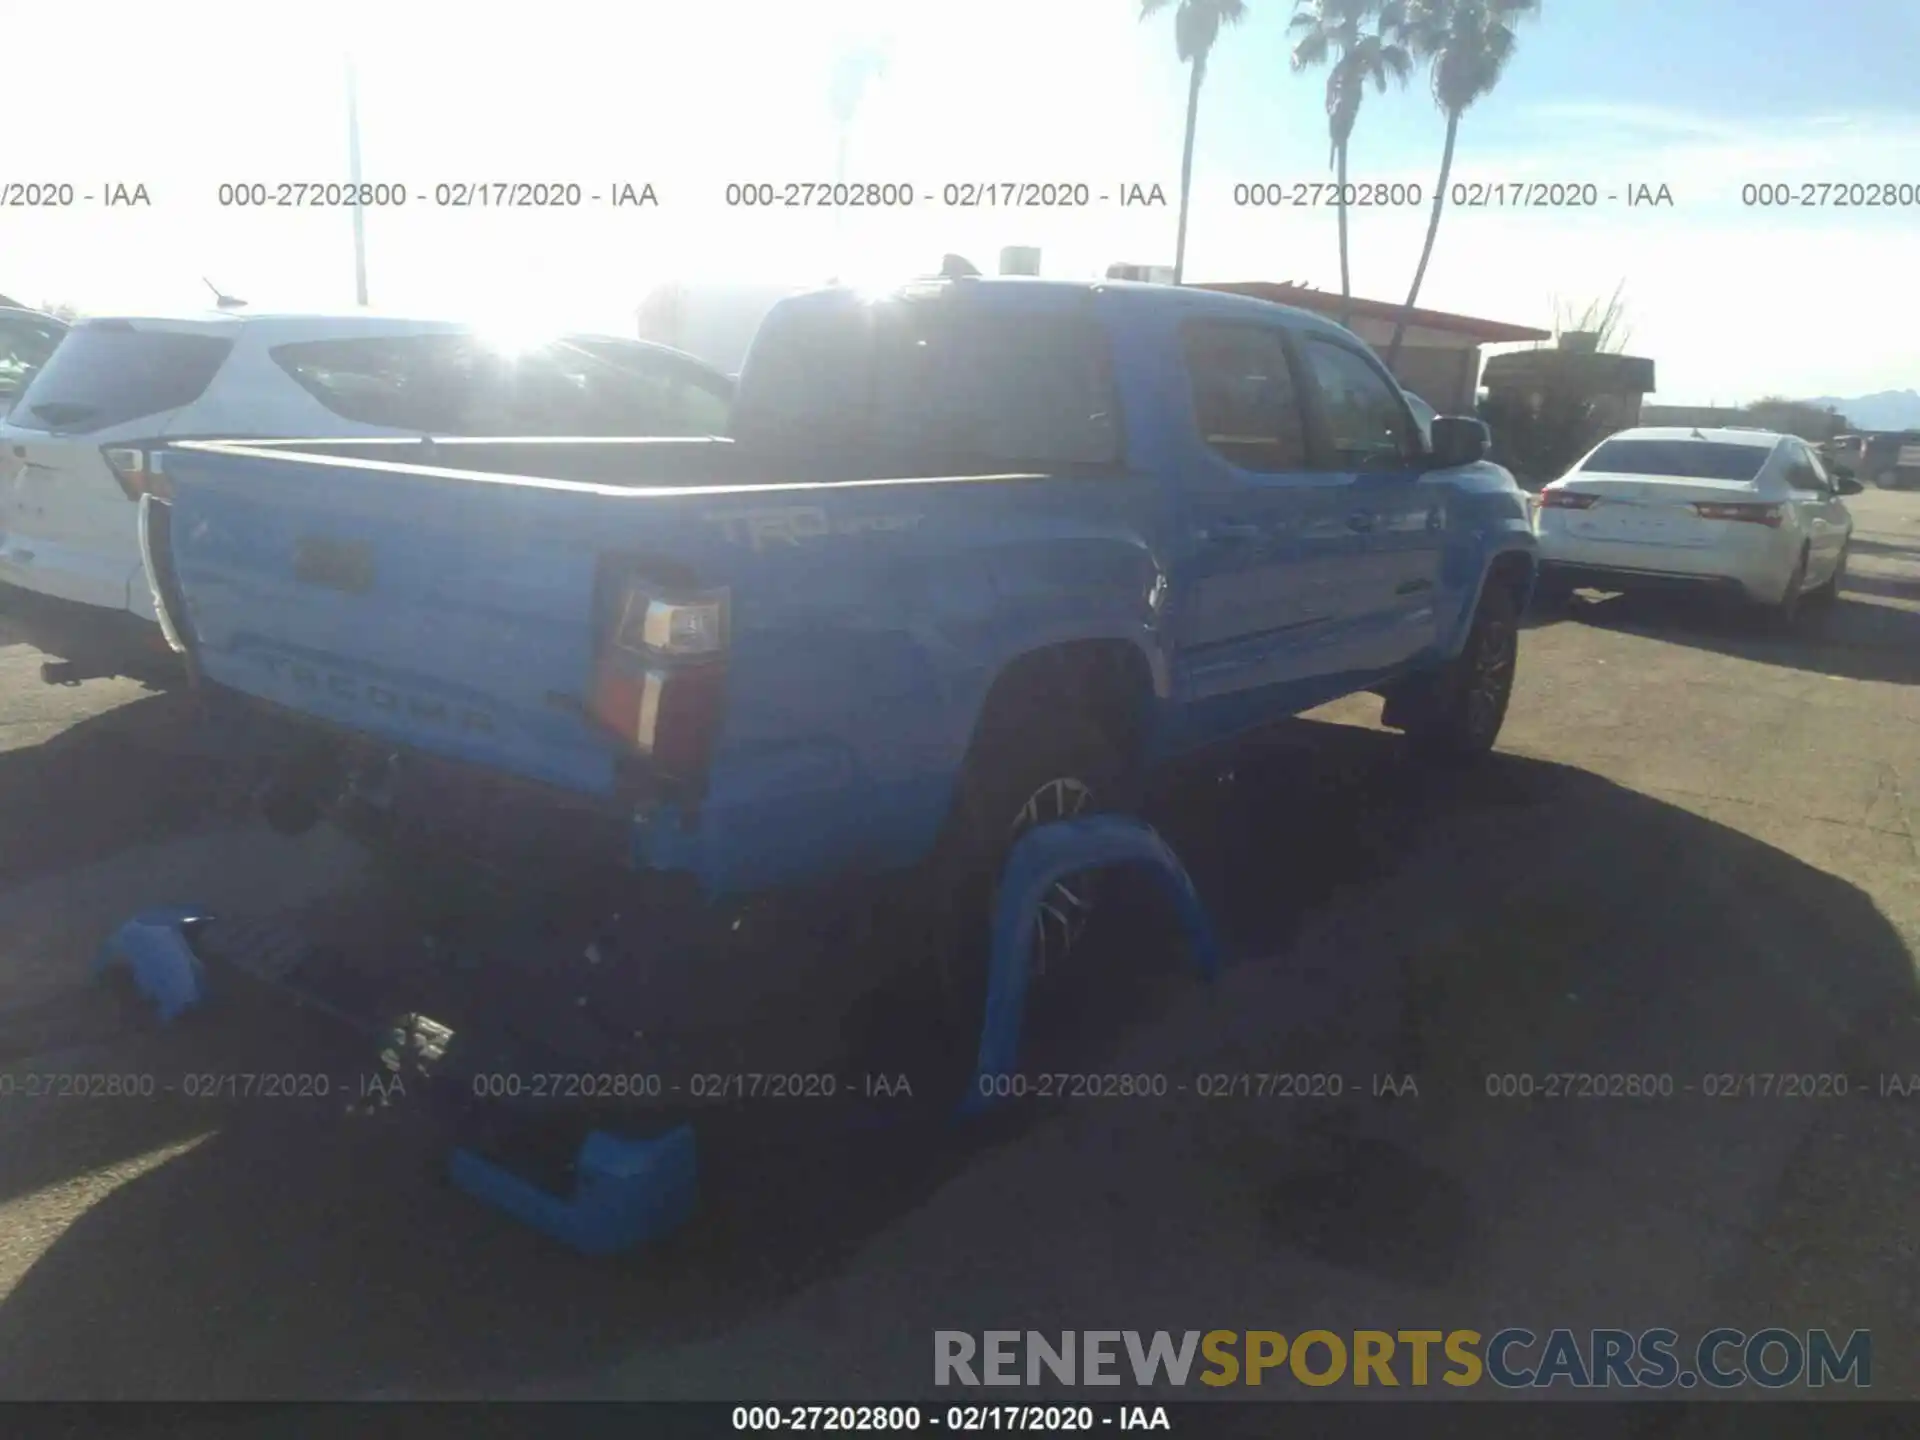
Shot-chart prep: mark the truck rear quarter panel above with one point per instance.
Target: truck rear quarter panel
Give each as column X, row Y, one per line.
column 868, row 624
column 867, row 638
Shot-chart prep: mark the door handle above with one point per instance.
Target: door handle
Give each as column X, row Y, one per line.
column 1230, row 530
column 1361, row 521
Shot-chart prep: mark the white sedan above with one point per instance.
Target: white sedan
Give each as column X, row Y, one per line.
column 1749, row 512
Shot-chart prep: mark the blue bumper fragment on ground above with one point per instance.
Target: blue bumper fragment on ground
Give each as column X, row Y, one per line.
column 153, row 950
column 626, row 1192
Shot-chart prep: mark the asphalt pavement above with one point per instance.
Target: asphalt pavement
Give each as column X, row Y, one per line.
column 1693, row 857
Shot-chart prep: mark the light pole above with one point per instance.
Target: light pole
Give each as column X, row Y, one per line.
column 353, row 175
column 854, row 70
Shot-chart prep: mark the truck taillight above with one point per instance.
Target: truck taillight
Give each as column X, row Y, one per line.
column 139, row 471
column 1768, row 515
column 652, row 625
column 1567, row 500
column 661, row 678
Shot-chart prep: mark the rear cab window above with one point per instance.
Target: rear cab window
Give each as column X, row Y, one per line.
column 1245, row 405
column 457, row 384
column 1679, row 459
column 110, row 372
column 933, row 384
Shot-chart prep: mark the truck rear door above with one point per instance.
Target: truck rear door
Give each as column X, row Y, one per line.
column 1372, row 444
column 1264, row 586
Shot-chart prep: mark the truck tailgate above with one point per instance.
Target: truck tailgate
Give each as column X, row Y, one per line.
column 455, row 616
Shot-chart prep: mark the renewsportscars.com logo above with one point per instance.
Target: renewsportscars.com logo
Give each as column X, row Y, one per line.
column 1721, row 1359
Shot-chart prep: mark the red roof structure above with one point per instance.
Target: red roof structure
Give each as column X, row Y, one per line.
column 1481, row 332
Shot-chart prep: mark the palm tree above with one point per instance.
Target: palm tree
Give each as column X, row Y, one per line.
column 1467, row 44
column 1331, row 29
column 1196, row 25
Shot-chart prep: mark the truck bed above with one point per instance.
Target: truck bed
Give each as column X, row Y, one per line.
column 623, row 463
column 460, row 611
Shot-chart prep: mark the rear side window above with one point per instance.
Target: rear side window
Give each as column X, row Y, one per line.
column 1679, row 459
column 108, row 372
column 458, row 385
column 930, row 383
column 1804, row 471
column 1244, row 402
column 25, row 343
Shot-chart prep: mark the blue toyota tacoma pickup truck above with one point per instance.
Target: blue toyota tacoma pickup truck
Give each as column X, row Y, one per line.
column 978, row 554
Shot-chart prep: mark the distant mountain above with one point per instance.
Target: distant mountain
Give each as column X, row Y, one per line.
column 1888, row 410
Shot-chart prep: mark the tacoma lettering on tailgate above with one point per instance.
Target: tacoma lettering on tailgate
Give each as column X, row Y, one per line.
column 381, row 697
column 791, row 524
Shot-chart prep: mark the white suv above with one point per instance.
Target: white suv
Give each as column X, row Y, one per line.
column 78, row 447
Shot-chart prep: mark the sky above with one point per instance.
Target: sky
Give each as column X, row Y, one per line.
column 1732, row 301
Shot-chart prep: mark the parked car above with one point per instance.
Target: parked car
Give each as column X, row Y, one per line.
column 79, row 446
column 1889, row 460
column 979, row 555
column 1747, row 512
column 27, row 338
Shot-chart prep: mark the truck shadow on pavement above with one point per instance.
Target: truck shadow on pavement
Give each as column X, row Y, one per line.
column 1548, row 920
column 100, row 785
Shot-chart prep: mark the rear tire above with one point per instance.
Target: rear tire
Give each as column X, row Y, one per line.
column 1782, row 614
column 1823, row 596
column 1038, row 756
column 1457, row 713
column 1034, row 764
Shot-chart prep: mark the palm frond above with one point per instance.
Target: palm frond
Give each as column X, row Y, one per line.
column 1392, row 63
column 1467, row 44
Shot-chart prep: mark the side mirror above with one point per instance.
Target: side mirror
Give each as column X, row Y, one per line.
column 1459, row 440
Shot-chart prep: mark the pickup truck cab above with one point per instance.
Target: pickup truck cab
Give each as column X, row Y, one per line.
column 977, row 554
